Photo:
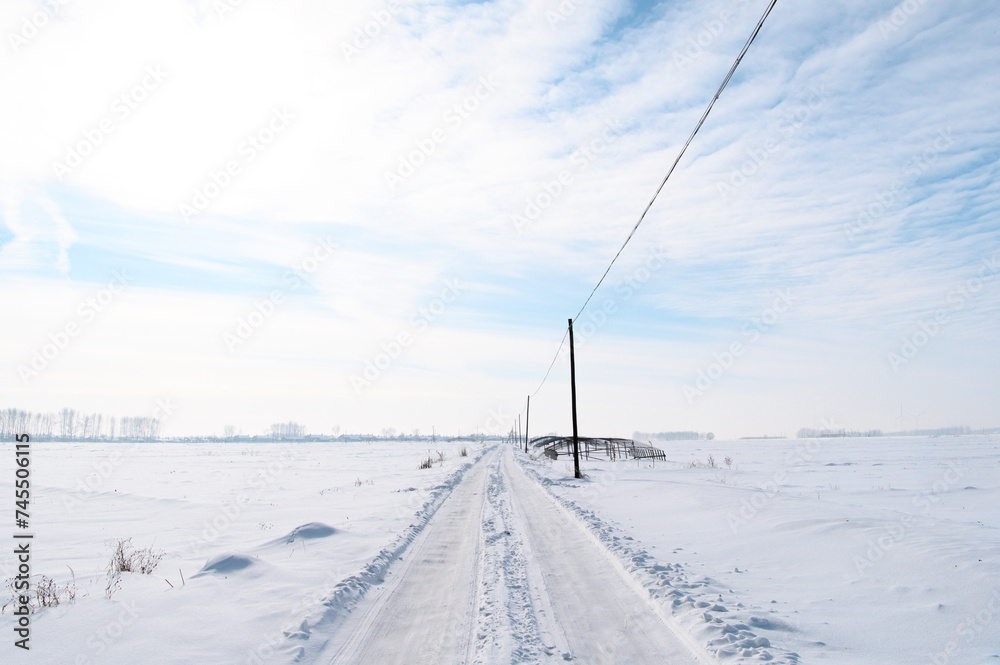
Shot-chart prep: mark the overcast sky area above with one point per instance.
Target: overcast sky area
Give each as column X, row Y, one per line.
column 368, row 214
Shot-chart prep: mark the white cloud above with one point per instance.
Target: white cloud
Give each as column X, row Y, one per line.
column 41, row 235
column 830, row 111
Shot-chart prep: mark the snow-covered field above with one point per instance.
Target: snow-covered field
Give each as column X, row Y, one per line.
column 854, row 551
column 197, row 502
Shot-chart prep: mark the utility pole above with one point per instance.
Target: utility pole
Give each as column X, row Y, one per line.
column 527, row 421
column 572, row 386
column 519, row 430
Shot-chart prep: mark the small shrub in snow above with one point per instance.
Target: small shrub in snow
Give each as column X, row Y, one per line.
column 43, row 593
column 126, row 559
column 709, row 464
column 429, row 462
column 49, row 594
column 464, row 452
column 114, row 583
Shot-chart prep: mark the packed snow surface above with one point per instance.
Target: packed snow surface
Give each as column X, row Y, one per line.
column 503, row 574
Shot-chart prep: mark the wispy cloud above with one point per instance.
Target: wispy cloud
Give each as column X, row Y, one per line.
column 39, row 237
column 822, row 170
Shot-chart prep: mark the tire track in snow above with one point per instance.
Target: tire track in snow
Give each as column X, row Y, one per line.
column 352, row 590
column 507, row 625
column 597, row 609
column 500, row 576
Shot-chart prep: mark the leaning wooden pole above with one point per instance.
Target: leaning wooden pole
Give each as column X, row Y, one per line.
column 572, row 386
column 527, row 421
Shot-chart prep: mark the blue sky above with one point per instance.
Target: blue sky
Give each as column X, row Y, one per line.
column 474, row 167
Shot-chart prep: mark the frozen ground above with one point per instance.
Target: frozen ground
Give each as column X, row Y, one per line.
column 283, row 524
column 814, row 551
column 853, row 551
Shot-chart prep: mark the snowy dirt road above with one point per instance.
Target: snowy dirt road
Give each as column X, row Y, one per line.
column 503, row 574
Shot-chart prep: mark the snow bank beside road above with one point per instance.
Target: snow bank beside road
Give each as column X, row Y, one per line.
column 848, row 551
column 722, row 625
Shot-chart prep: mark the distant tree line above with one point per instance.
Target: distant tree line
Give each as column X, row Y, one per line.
column 289, row 430
column 70, row 424
column 806, row 433
column 73, row 425
column 940, row 431
column 671, row 436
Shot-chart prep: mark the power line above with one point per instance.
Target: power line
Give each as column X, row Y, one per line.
column 701, row 121
column 704, row 115
column 552, row 364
